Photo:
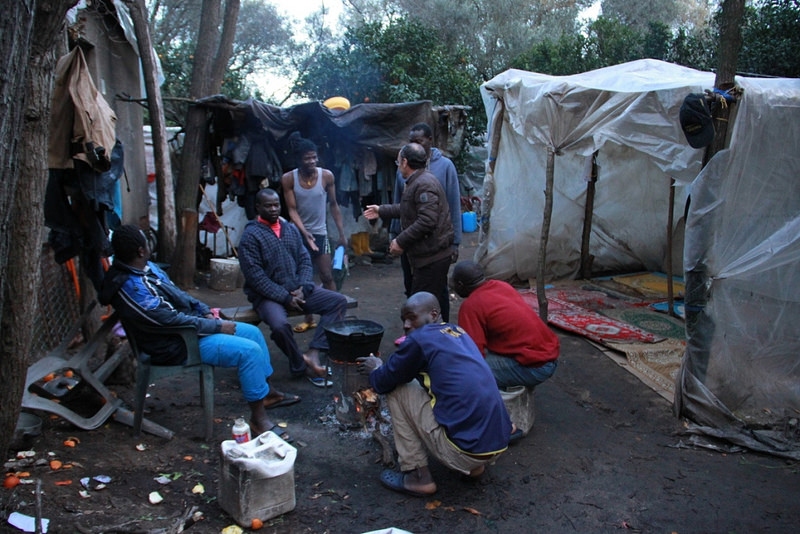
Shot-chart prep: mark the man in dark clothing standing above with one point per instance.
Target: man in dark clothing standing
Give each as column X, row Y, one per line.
column 279, row 278
column 426, row 234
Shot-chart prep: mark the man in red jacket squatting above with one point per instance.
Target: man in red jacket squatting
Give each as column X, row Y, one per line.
column 518, row 346
column 440, row 395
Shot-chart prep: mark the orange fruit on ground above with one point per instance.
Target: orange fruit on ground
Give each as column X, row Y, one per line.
column 256, row 524
column 10, row 481
column 55, row 465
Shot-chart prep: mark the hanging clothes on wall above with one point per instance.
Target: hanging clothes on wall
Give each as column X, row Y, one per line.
column 85, row 163
column 82, row 124
column 262, row 169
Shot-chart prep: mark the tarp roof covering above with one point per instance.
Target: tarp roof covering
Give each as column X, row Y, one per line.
column 381, row 127
column 741, row 373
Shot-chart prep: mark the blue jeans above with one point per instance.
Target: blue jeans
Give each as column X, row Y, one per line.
column 508, row 372
column 245, row 350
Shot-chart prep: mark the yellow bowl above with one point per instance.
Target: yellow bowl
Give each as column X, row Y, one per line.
column 337, row 102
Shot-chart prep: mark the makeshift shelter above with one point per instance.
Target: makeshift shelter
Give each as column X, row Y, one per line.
column 250, row 146
column 742, row 240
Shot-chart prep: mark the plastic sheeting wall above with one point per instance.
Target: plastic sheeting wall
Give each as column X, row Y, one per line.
column 740, row 378
column 629, row 114
column 629, row 223
column 742, row 368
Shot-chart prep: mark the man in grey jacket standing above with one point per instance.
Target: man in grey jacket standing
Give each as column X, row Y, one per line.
column 444, row 171
column 426, row 231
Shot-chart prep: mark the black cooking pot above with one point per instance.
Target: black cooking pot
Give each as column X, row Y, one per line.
column 353, row 338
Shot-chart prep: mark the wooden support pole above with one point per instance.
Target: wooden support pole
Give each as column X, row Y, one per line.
column 164, row 182
column 588, row 213
column 670, row 224
column 547, row 217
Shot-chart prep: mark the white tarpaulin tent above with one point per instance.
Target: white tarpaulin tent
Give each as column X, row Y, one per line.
column 628, row 114
column 742, row 240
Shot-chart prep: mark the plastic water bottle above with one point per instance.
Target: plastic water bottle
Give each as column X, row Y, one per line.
column 241, row 430
column 338, row 258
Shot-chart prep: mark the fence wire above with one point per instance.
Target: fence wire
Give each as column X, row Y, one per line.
column 57, row 306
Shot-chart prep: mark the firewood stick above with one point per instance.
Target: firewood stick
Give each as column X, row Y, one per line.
column 386, row 448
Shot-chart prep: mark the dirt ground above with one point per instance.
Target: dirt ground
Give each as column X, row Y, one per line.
column 604, row 455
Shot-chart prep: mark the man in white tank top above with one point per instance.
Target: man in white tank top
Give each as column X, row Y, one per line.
column 308, row 190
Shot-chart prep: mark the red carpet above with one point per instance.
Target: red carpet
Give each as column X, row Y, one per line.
column 587, row 323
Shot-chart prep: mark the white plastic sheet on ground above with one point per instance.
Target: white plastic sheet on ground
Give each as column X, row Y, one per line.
column 741, row 374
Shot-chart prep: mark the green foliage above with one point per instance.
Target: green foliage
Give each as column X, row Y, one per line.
column 399, row 61
column 771, row 39
column 612, row 42
column 607, row 42
column 770, row 35
column 640, row 15
column 566, row 56
column 176, row 64
column 656, row 40
column 695, row 48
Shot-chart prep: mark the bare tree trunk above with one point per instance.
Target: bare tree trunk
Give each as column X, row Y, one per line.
column 15, row 42
column 22, row 276
column 183, row 264
column 225, row 44
column 207, row 74
column 730, row 43
column 164, row 185
column 16, row 23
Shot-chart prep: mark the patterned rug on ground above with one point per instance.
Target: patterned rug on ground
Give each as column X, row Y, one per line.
column 654, row 322
column 660, row 362
column 646, row 286
column 586, row 298
column 590, row 324
column 653, row 343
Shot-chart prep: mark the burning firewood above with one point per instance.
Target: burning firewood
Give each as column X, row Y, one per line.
column 368, row 403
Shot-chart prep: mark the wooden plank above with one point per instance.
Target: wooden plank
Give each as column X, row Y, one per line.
column 246, row 314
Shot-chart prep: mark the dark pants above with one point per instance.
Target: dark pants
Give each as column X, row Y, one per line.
column 433, row 279
column 331, row 307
